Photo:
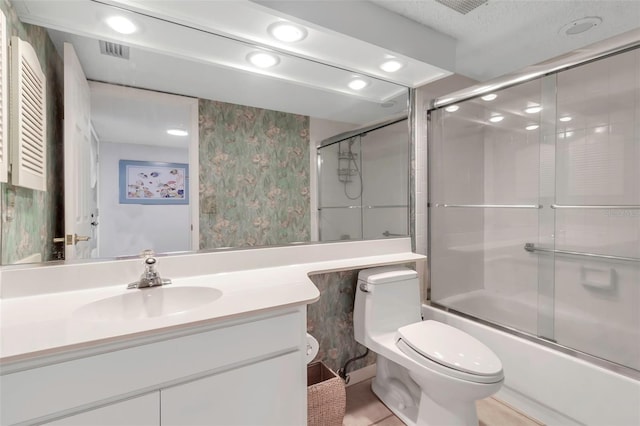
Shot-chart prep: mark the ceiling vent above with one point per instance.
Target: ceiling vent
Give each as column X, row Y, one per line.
column 462, row 6
column 114, row 49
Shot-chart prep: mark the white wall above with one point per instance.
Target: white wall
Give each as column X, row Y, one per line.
column 127, row 229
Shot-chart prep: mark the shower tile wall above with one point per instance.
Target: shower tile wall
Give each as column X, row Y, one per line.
column 31, row 219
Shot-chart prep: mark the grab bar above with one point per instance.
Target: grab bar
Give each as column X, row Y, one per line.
column 389, row 234
column 493, row 206
column 602, row 206
column 530, row 247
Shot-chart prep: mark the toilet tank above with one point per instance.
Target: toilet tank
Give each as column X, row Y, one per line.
column 386, row 298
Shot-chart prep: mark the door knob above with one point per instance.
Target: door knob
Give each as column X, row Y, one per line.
column 71, row 239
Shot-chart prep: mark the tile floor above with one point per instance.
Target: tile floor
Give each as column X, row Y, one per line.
column 364, row 409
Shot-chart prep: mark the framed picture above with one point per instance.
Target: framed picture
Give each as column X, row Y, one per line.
column 153, row 182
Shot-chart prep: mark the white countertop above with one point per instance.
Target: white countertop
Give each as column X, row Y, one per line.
column 36, row 326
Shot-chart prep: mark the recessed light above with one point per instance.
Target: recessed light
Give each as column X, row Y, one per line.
column 287, row 32
column 532, row 127
column 565, row 118
column 496, row 118
column 581, row 25
column 601, row 129
column 533, row 109
column 392, row 65
column 177, row 132
column 452, row 108
column 489, row 97
column 262, row 59
column 121, row 24
column 358, row 84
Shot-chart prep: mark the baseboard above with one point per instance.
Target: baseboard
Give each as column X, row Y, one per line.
column 362, row 374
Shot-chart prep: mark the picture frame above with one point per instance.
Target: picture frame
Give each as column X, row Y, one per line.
column 153, row 182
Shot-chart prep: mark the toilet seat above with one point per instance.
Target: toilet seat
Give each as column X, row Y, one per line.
column 449, row 351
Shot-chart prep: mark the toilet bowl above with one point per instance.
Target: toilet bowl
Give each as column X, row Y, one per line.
column 428, row 373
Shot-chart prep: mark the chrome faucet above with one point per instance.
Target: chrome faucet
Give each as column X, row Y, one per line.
column 150, row 277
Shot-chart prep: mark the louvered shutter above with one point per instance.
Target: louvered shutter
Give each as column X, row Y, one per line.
column 4, row 141
column 28, row 117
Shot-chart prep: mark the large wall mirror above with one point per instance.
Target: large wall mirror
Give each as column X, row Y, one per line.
column 182, row 108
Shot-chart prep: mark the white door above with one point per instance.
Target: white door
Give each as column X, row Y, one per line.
column 79, row 162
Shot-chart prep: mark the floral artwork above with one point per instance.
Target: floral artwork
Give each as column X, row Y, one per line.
column 148, row 182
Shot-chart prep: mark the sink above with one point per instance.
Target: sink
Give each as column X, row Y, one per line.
column 148, row 303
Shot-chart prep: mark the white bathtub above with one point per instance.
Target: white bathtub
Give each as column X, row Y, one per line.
column 551, row 386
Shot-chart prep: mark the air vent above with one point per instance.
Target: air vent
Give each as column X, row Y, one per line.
column 114, row 49
column 462, row 6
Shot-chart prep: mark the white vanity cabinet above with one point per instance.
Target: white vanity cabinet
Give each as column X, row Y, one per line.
column 248, row 371
column 258, row 394
column 140, row 411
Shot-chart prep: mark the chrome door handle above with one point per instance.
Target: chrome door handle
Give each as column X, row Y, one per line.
column 80, row 238
column 71, row 239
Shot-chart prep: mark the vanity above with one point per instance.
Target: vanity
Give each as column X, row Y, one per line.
column 225, row 343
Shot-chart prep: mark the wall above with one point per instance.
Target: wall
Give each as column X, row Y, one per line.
column 127, row 229
column 31, row 219
column 254, row 176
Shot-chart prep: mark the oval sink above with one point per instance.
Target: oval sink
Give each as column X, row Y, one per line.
column 149, row 303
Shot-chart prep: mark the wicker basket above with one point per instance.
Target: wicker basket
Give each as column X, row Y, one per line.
column 326, row 397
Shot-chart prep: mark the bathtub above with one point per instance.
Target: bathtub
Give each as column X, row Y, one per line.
column 551, row 386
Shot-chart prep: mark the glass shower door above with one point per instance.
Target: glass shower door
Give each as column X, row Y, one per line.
column 484, row 205
column 597, row 209
column 535, row 209
column 340, row 186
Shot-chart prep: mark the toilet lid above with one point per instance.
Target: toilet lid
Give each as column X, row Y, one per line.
column 451, row 347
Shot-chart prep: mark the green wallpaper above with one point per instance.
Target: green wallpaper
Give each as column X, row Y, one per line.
column 30, row 219
column 254, row 176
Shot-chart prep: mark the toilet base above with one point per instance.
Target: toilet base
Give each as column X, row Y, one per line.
column 396, row 403
column 434, row 414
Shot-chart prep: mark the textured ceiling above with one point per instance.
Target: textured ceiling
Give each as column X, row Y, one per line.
column 503, row 36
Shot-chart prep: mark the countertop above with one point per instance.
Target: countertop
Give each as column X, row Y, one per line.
column 39, row 328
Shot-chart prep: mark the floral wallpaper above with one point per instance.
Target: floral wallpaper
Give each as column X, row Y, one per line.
column 31, row 219
column 254, row 176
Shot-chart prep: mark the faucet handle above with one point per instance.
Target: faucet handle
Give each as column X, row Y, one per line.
column 147, row 253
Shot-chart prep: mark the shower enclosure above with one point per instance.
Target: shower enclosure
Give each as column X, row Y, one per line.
column 363, row 180
column 534, row 209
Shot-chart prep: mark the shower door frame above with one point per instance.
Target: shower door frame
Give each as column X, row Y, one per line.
column 619, row 44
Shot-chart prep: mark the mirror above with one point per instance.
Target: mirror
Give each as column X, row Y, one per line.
column 251, row 131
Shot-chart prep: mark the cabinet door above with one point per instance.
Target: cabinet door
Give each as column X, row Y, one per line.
column 270, row 392
column 140, row 411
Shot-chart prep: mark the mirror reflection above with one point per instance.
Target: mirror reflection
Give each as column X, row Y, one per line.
column 247, row 132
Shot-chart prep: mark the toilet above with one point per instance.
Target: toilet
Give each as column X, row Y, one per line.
column 428, row 373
